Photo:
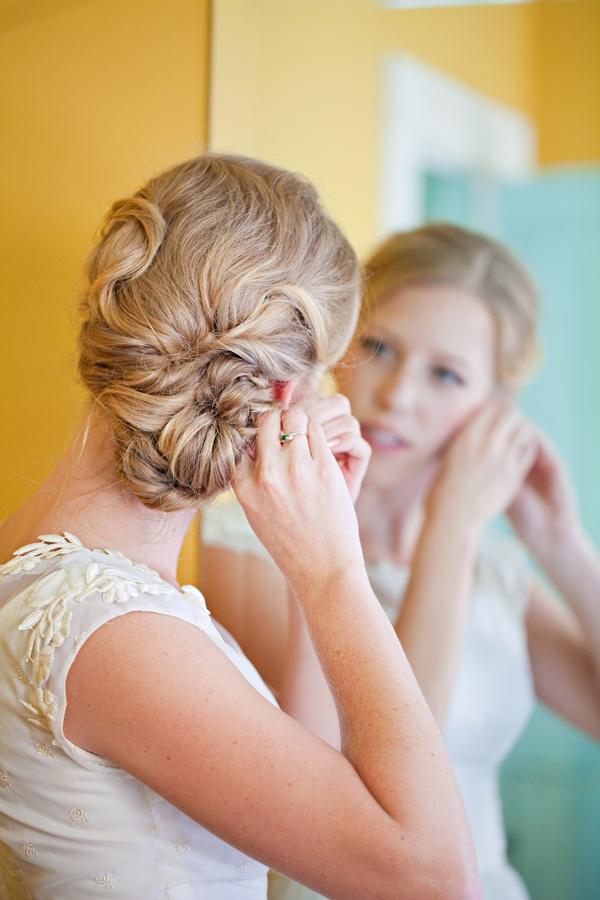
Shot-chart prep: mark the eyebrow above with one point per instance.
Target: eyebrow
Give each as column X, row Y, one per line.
column 442, row 355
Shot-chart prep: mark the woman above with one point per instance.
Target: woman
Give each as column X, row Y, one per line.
column 447, row 334
column 141, row 754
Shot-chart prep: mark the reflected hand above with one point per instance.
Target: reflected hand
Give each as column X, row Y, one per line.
column 484, row 466
column 343, row 435
column 544, row 511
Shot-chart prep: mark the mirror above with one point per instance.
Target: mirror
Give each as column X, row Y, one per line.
column 484, row 115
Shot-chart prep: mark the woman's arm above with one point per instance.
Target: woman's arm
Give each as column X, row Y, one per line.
column 383, row 819
column 432, row 619
column 305, row 693
column 479, row 476
column 249, row 596
column 200, row 736
column 564, row 642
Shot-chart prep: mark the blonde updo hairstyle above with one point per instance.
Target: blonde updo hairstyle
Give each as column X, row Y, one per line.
column 440, row 253
column 218, row 278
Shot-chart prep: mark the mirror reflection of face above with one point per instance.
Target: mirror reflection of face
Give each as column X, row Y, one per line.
column 423, row 365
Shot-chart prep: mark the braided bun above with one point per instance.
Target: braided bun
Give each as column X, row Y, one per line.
column 220, row 277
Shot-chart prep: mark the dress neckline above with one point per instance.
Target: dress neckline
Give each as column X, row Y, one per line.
column 49, row 546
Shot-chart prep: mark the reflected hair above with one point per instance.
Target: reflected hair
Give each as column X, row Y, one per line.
column 440, row 253
column 219, row 277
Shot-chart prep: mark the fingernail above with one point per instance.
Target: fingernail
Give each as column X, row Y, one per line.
column 333, row 443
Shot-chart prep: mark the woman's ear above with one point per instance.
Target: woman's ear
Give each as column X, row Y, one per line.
column 283, row 391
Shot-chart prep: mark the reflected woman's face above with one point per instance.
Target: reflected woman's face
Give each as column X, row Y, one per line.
column 423, row 365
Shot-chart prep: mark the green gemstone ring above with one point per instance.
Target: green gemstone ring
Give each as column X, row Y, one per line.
column 285, row 437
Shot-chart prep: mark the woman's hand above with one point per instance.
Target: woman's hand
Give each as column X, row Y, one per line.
column 343, row 435
column 544, row 512
column 297, row 501
column 484, row 466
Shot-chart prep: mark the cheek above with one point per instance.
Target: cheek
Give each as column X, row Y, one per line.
column 450, row 418
column 360, row 387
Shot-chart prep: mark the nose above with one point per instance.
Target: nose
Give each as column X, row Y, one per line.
column 399, row 391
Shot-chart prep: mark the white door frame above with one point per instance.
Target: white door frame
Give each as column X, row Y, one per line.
column 434, row 122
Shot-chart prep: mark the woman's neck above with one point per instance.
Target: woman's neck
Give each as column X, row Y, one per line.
column 390, row 517
column 82, row 496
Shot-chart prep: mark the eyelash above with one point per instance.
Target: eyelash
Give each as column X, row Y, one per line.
column 377, row 347
column 440, row 373
column 380, row 349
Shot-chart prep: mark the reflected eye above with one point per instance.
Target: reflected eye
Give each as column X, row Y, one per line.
column 447, row 376
column 377, row 347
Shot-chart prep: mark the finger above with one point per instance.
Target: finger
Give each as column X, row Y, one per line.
column 503, row 427
column 295, row 420
column 242, row 475
column 487, row 433
column 516, row 420
column 481, row 423
column 319, row 447
column 523, row 435
column 525, row 448
column 550, row 457
column 342, row 425
column 331, row 407
column 527, row 458
column 267, row 435
column 351, row 444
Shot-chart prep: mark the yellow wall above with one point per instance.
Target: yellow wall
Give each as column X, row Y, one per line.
column 490, row 48
column 568, row 86
column 277, row 67
column 95, row 96
column 299, row 83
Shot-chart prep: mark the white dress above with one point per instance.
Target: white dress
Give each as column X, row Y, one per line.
column 73, row 826
column 492, row 700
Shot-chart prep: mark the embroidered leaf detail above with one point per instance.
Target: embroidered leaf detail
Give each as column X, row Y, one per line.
column 49, row 602
column 31, row 620
column 28, row 548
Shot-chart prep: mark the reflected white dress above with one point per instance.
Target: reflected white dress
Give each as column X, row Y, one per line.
column 493, row 698
column 72, row 825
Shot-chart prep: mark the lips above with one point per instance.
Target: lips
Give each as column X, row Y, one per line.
column 384, row 440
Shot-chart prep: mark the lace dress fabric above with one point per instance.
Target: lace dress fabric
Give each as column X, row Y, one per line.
column 72, row 825
column 493, row 697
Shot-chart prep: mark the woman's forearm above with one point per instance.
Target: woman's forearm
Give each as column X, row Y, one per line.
column 387, row 731
column 304, row 693
column 573, row 566
column 432, row 620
